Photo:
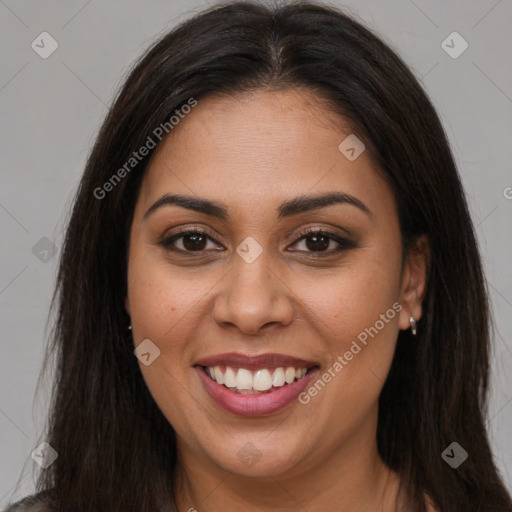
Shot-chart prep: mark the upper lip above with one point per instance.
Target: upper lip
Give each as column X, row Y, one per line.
column 269, row 360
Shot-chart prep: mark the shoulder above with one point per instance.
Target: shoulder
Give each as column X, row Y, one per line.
column 34, row 503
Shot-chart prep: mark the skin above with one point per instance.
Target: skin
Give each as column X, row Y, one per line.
column 250, row 153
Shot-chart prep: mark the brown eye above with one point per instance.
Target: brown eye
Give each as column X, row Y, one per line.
column 189, row 241
column 194, row 242
column 317, row 242
column 322, row 243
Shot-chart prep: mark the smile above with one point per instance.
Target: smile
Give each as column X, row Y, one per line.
column 246, row 382
column 252, row 386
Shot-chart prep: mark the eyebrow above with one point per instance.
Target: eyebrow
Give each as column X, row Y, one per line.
column 287, row 209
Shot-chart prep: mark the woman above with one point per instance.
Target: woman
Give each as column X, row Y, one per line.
column 270, row 295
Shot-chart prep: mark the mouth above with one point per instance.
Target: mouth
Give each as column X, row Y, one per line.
column 252, row 382
column 251, row 386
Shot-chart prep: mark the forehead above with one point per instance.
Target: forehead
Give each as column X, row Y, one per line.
column 255, row 148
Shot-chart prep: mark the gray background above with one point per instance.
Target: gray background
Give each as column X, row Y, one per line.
column 51, row 109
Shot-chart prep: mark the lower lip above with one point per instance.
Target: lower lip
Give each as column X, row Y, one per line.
column 258, row 404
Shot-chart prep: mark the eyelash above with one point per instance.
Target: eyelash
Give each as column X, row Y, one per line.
column 343, row 243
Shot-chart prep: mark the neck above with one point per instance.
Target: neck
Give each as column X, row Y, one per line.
column 351, row 478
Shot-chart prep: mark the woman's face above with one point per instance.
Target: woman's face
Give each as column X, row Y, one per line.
column 253, row 283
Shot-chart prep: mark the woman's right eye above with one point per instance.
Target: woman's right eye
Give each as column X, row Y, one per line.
column 188, row 241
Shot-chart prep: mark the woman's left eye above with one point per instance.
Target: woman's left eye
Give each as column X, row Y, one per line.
column 314, row 241
column 317, row 241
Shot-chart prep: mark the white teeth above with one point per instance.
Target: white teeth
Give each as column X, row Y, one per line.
column 289, row 376
column 229, row 378
column 219, row 377
column 245, row 382
column 243, row 379
column 278, row 377
column 262, row 380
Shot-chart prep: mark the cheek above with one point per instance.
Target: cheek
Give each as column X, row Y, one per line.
column 352, row 298
column 163, row 299
column 355, row 310
column 164, row 307
column 359, row 327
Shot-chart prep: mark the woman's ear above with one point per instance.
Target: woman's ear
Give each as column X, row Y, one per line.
column 414, row 281
column 127, row 305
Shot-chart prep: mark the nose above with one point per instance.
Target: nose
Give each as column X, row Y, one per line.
column 253, row 298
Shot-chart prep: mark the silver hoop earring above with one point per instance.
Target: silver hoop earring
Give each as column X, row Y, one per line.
column 130, row 327
column 412, row 321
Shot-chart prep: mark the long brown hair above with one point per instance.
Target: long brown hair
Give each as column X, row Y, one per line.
column 117, row 451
